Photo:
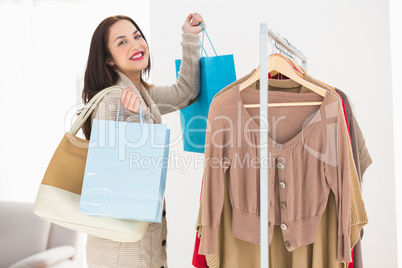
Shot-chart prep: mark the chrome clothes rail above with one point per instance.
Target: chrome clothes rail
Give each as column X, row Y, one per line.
column 266, row 33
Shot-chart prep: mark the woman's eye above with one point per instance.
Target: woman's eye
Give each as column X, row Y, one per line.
column 137, row 36
column 122, row 42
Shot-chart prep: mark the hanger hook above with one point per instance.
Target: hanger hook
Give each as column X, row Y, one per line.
column 272, row 45
column 284, row 51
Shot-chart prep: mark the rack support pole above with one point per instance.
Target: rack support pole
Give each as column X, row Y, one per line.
column 264, row 159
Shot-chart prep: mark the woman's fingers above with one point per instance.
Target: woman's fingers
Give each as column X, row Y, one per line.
column 123, row 96
column 197, row 18
column 130, row 100
column 189, row 17
column 191, row 24
column 136, row 105
column 131, row 103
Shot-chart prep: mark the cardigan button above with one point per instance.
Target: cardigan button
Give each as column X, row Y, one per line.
column 163, row 242
column 287, row 244
column 278, row 146
column 283, row 206
column 163, row 213
column 284, row 226
column 281, row 166
column 282, row 185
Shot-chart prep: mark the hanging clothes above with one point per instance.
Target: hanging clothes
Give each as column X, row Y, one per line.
column 338, row 213
column 360, row 155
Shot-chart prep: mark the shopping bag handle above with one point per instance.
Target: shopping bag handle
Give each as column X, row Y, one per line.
column 202, row 43
column 142, row 117
column 90, row 106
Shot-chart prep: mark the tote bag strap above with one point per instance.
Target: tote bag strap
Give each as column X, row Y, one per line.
column 90, row 106
column 202, row 43
column 142, row 117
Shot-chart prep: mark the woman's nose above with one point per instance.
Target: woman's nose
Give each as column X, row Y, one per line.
column 135, row 45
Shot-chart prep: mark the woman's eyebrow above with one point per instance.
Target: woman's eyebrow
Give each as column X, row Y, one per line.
column 122, row 36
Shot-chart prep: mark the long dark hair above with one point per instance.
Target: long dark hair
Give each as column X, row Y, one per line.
column 99, row 75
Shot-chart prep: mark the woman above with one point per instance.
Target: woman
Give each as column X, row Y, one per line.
column 119, row 55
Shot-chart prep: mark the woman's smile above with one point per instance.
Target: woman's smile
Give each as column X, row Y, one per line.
column 138, row 56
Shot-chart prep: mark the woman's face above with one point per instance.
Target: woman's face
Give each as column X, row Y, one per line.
column 128, row 48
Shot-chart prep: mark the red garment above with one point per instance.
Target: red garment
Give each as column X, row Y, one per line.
column 346, row 118
column 350, row 265
column 199, row 261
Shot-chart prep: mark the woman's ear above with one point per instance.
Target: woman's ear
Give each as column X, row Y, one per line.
column 110, row 62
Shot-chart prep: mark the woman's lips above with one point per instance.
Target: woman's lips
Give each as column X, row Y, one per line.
column 138, row 56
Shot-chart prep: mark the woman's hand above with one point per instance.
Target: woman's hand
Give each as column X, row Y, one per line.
column 191, row 24
column 132, row 101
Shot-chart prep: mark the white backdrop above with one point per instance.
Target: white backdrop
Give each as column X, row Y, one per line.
column 396, row 44
column 44, row 45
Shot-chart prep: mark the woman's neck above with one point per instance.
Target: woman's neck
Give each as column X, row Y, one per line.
column 135, row 78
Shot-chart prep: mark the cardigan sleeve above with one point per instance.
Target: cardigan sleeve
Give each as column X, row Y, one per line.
column 337, row 173
column 187, row 87
column 213, row 184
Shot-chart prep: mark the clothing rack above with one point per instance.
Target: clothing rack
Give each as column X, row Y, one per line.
column 287, row 47
column 266, row 33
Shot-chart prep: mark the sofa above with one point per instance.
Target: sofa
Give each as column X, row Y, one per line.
column 27, row 241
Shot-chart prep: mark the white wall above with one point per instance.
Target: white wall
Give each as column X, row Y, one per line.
column 347, row 45
column 396, row 44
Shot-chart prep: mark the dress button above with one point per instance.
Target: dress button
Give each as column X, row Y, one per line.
column 283, row 206
column 284, row 226
column 278, row 146
column 281, row 166
column 282, row 185
column 287, row 244
column 163, row 242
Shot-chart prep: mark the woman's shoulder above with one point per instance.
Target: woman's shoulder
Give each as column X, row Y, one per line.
column 112, row 96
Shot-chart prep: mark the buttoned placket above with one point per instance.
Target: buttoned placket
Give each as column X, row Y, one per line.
column 163, row 244
column 280, row 172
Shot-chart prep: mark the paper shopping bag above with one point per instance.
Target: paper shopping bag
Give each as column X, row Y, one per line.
column 216, row 73
column 125, row 172
column 59, row 193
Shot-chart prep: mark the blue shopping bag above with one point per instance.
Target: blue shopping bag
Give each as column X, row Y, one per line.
column 125, row 172
column 216, row 73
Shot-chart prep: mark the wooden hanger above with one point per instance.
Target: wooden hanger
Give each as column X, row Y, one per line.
column 298, row 69
column 302, row 71
column 279, row 64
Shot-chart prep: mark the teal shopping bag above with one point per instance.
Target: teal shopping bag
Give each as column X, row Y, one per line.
column 125, row 172
column 216, row 73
